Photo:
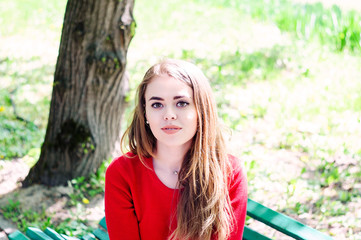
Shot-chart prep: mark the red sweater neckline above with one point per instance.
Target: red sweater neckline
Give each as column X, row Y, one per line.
column 149, row 163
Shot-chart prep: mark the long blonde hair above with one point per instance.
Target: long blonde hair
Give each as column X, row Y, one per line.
column 204, row 208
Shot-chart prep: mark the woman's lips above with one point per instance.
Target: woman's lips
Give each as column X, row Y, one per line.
column 171, row 129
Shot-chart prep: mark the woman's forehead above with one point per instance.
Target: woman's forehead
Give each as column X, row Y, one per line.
column 165, row 85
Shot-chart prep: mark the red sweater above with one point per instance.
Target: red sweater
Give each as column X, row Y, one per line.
column 139, row 206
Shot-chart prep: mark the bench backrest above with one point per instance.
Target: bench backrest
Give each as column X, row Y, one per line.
column 255, row 210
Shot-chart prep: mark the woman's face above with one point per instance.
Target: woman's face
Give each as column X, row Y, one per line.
column 170, row 111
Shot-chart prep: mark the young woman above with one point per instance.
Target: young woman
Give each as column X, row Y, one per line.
column 177, row 182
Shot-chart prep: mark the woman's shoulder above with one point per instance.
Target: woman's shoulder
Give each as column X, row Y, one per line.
column 236, row 163
column 126, row 163
column 237, row 169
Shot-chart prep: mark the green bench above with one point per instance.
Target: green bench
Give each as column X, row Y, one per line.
column 49, row 234
column 280, row 222
column 255, row 210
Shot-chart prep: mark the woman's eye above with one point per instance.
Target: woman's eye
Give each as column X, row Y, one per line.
column 182, row 104
column 157, row 105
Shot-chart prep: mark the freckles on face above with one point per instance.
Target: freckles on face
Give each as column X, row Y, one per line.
column 170, row 110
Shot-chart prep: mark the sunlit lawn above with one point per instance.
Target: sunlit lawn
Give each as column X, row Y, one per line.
column 293, row 107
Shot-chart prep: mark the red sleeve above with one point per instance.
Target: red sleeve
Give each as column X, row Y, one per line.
column 238, row 196
column 120, row 214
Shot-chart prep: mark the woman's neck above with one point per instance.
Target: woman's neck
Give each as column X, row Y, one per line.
column 170, row 158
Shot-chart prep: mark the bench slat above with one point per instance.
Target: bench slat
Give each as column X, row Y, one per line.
column 283, row 223
column 249, row 234
column 17, row 235
column 103, row 224
column 53, row 234
column 36, row 234
column 69, row 238
column 88, row 237
column 101, row 234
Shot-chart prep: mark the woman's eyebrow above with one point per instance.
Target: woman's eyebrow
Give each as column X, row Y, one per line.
column 156, row 98
column 161, row 99
column 178, row 97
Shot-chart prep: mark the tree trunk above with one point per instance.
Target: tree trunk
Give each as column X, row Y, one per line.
column 89, row 91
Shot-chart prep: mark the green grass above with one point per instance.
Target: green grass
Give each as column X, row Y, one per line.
column 24, row 218
column 340, row 30
column 286, row 82
column 82, row 191
column 42, row 220
column 17, row 17
column 24, row 105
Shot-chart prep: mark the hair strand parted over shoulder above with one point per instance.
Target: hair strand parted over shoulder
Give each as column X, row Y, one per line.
column 204, row 210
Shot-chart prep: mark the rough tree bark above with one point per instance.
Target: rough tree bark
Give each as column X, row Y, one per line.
column 89, row 90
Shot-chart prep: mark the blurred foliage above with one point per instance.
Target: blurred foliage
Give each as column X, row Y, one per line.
column 24, row 105
column 19, row 16
column 25, row 218
column 85, row 188
column 339, row 29
column 42, row 220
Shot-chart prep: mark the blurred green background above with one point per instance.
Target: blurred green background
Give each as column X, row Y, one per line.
column 286, row 75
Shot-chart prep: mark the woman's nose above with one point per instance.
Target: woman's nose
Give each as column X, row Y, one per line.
column 170, row 114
